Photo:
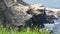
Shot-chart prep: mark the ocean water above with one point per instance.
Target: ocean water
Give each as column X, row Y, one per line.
column 47, row 3
column 55, row 27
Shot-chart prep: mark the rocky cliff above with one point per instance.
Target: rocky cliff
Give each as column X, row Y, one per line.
column 16, row 12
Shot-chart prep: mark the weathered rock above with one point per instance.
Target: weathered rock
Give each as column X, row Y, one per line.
column 10, row 3
column 39, row 15
column 58, row 14
column 50, row 16
column 22, row 2
column 2, row 9
column 13, row 13
column 17, row 13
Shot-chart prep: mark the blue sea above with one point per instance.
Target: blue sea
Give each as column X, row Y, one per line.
column 47, row 3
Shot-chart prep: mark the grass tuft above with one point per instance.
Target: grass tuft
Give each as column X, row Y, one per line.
column 24, row 31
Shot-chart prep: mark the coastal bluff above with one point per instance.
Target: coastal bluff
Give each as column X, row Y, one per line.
column 14, row 13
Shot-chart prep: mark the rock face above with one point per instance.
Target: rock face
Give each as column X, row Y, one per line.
column 52, row 11
column 13, row 13
column 16, row 13
column 38, row 12
column 39, row 16
column 50, row 16
column 58, row 14
column 2, row 9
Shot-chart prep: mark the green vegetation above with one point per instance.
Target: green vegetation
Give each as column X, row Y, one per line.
column 24, row 31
